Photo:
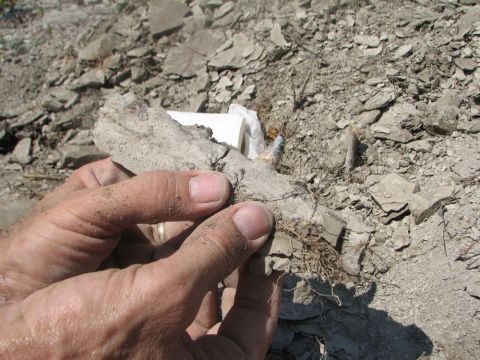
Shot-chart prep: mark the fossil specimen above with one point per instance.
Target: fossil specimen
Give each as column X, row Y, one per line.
column 149, row 139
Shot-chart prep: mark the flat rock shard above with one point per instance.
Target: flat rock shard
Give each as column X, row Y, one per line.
column 393, row 193
column 166, row 16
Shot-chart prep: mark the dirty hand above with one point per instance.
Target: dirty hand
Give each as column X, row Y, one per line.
column 148, row 302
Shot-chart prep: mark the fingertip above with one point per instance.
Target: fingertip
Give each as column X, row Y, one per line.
column 254, row 221
column 209, row 187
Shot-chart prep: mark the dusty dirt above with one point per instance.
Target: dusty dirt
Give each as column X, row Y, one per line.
column 404, row 75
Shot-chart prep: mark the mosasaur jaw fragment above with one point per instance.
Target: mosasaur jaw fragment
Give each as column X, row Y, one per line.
column 148, row 139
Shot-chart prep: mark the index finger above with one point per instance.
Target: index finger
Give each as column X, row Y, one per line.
column 99, row 173
column 75, row 236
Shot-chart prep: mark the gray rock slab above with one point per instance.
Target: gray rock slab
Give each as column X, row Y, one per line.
column 467, row 64
column 393, row 193
column 94, row 78
column 392, row 132
column 351, row 144
column 333, row 225
column 352, row 252
column 82, row 137
column 195, row 23
column 380, row 100
column 224, row 96
column 75, row 156
column 402, row 51
column 390, row 125
column 449, row 97
column 234, row 57
column 197, row 103
column 229, row 19
column 100, row 47
column 423, row 146
column 205, row 42
column 277, row 255
column 469, row 127
column 59, row 99
column 25, row 119
column 441, row 120
column 367, row 40
column 302, row 301
column 424, row 204
column 355, row 223
column 166, row 16
column 184, row 62
column 473, row 289
column 138, row 73
column 223, row 10
column 247, row 93
column 468, row 20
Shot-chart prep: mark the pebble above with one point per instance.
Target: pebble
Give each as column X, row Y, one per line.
column 248, row 93
column 277, row 37
column 368, row 118
column 367, row 40
column 22, row 152
column 401, row 238
column 223, row 97
column 402, row 51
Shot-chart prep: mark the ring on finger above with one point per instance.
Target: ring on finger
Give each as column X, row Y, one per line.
column 160, row 233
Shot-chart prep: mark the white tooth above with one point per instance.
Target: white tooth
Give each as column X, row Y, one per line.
column 274, row 152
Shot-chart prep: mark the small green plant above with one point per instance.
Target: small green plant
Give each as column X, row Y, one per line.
column 121, row 5
column 7, row 6
column 17, row 47
column 7, row 3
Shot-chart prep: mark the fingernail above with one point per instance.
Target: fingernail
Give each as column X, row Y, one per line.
column 253, row 221
column 207, row 188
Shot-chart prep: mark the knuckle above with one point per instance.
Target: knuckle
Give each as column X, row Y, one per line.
column 167, row 189
column 98, row 173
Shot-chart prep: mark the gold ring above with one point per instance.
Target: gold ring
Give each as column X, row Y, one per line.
column 160, row 233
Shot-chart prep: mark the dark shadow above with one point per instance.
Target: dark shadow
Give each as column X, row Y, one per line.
column 342, row 326
column 360, row 158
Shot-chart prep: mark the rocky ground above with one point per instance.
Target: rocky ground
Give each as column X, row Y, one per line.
column 380, row 105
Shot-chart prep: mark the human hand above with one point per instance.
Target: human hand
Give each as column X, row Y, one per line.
column 149, row 302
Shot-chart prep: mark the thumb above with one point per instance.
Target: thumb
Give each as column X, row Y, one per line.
column 222, row 243
column 214, row 250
